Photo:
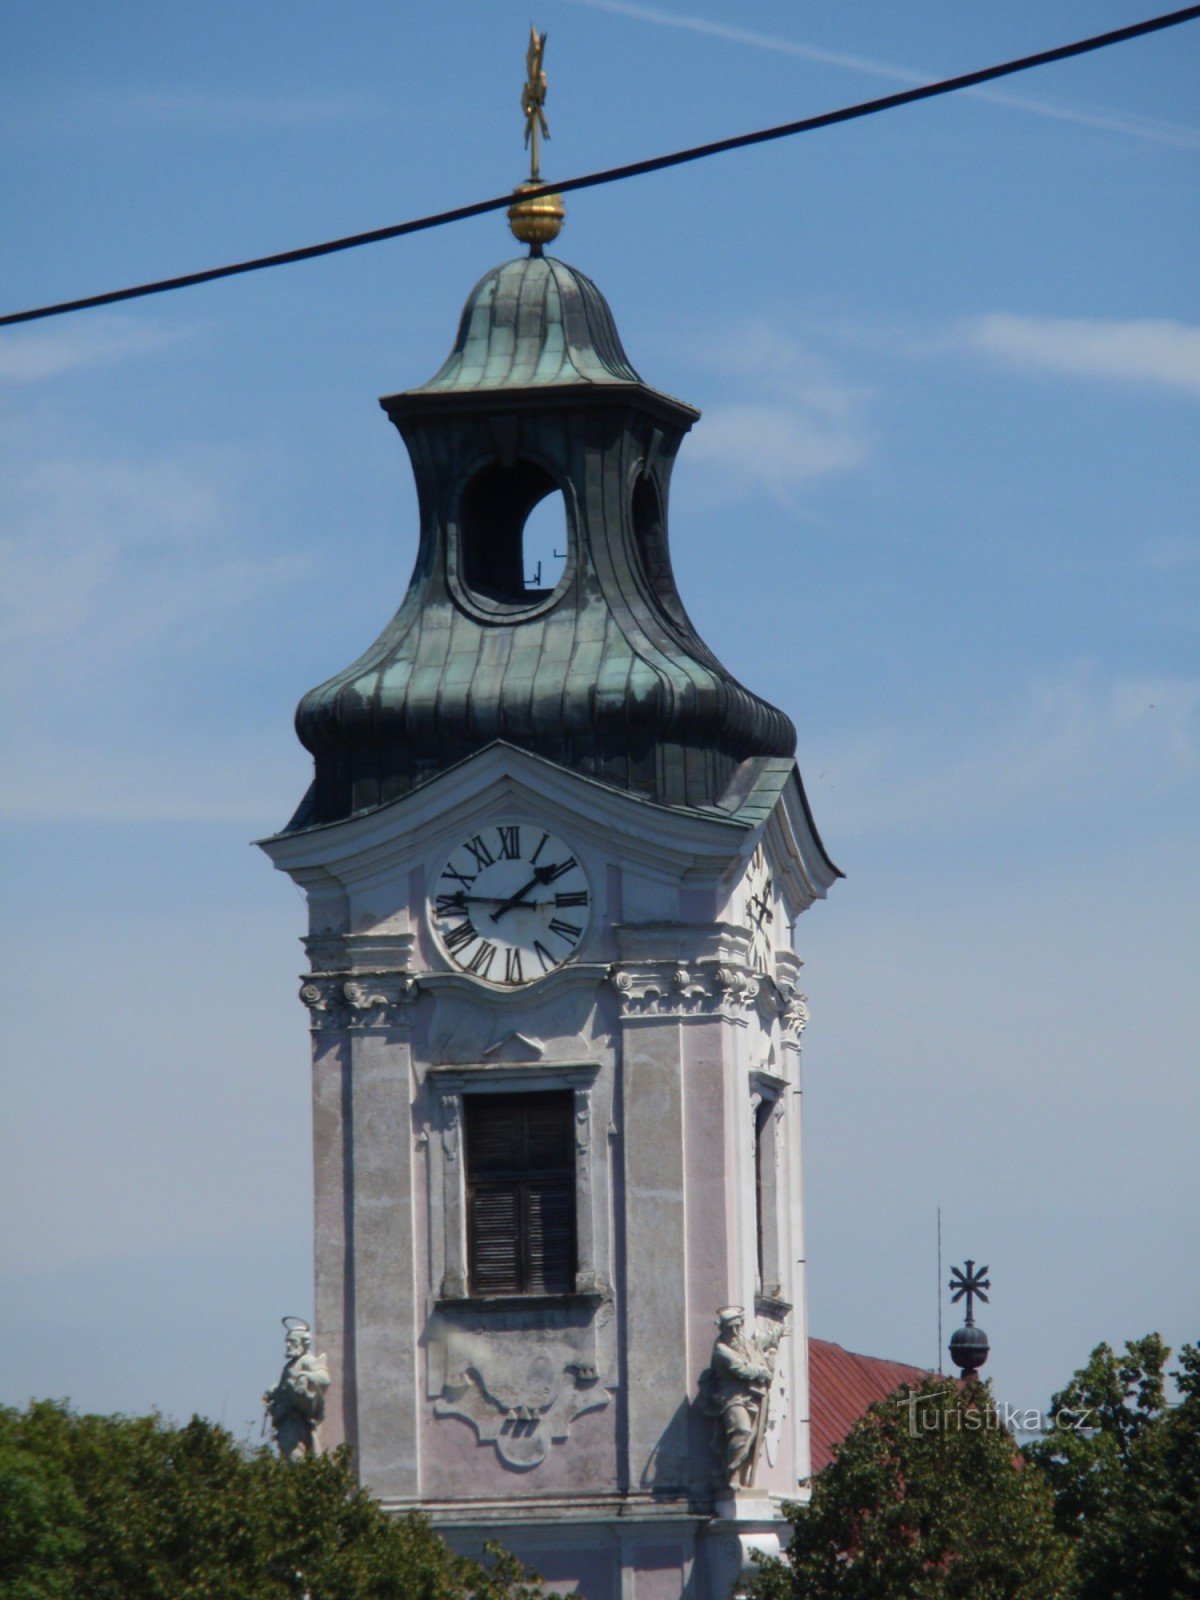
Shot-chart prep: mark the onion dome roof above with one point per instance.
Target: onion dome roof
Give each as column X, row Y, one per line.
column 530, row 323
column 602, row 671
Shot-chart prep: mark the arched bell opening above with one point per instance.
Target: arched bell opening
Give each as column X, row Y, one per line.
column 512, row 532
column 650, row 536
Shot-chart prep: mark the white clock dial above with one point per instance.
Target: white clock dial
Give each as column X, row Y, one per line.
column 759, row 911
column 511, row 904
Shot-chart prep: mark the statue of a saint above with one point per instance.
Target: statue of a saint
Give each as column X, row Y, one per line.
column 296, row 1405
column 737, row 1385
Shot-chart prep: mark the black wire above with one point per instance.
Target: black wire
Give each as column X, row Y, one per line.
column 634, row 169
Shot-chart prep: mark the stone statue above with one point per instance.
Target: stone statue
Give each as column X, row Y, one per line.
column 736, row 1388
column 296, row 1405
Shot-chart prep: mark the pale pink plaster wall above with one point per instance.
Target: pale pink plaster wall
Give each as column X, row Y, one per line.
column 658, row 1572
column 333, row 1336
column 709, row 1219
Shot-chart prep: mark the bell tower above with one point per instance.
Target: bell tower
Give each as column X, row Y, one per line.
column 553, row 853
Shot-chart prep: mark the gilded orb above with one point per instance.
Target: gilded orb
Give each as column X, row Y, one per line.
column 536, row 217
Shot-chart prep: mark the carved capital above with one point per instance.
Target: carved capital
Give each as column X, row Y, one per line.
column 793, row 1015
column 365, row 1000
column 669, row 989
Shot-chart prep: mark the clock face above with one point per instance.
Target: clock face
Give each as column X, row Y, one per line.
column 759, row 911
column 511, row 904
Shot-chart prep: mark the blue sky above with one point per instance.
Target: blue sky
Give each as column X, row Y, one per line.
column 940, row 507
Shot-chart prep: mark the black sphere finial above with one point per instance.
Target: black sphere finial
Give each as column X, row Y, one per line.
column 969, row 1346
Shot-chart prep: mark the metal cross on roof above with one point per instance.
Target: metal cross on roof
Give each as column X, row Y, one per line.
column 969, row 1281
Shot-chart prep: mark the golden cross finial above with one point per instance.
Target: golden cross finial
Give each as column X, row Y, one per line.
column 533, row 101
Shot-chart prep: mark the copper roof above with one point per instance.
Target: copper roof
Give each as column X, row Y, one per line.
column 603, row 672
column 841, row 1387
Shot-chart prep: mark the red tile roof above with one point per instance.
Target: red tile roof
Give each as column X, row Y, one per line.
column 841, row 1387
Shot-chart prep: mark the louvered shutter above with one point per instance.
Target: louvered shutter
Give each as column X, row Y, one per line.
column 521, row 1193
column 494, row 1237
column 550, row 1236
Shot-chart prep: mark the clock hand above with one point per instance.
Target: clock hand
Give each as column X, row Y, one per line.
column 540, row 875
column 495, row 900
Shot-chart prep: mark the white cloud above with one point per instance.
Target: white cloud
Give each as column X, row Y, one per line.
column 1166, row 554
column 253, row 780
column 101, row 557
column 1160, row 353
column 122, row 583
column 1103, row 119
column 775, row 448
column 804, row 422
column 33, row 354
column 1066, row 738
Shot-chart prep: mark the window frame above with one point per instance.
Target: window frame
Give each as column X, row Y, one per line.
column 768, row 1107
column 445, row 1138
column 514, row 1180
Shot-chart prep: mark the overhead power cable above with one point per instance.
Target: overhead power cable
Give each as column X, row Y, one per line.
column 633, row 169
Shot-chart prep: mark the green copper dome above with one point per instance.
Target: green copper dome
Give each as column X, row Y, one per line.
column 602, row 673
column 529, row 323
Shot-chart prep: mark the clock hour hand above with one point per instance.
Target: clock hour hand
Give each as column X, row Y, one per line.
column 540, row 875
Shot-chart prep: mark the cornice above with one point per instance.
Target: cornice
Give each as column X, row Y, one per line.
column 340, row 1000
column 651, row 990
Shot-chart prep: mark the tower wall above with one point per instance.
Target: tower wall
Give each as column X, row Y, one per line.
column 576, row 1428
column 553, row 852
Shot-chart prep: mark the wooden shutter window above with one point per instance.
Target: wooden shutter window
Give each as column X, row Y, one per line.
column 520, row 1170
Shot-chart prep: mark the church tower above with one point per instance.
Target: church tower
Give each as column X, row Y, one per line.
column 553, row 853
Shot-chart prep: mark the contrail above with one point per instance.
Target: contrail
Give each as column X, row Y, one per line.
column 1176, row 134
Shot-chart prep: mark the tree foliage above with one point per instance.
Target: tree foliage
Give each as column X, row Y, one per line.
column 927, row 1499
column 133, row 1508
column 1125, row 1471
column 921, row 1505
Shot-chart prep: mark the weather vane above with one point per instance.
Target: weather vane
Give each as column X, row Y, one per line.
column 533, row 102
column 971, row 1283
column 536, row 216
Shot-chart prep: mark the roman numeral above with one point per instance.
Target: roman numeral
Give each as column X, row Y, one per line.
column 447, row 903
column 538, row 851
column 460, row 936
column 510, row 843
column 547, row 960
column 512, row 967
column 565, row 930
column 559, row 867
column 481, row 961
column 576, row 897
column 458, row 877
column 480, row 852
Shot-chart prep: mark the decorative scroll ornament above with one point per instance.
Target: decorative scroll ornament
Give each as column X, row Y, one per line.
column 519, row 1392
column 793, row 1015
column 365, row 1000
column 666, row 989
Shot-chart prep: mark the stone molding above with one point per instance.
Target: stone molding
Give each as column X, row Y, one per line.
column 671, row 989
column 340, row 1000
column 793, row 1015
